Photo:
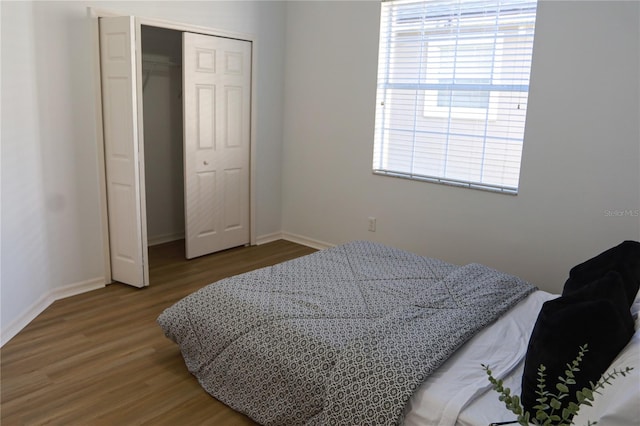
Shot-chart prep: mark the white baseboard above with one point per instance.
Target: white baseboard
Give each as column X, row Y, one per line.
column 294, row 238
column 305, row 241
column 161, row 239
column 44, row 302
column 269, row 238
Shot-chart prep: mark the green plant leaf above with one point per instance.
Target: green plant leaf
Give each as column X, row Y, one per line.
column 549, row 410
column 587, row 394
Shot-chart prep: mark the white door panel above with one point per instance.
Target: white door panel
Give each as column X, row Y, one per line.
column 122, row 136
column 217, row 98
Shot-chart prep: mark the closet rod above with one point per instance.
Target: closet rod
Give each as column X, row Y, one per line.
column 153, row 64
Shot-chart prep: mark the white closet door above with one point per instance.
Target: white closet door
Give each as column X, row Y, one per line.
column 123, row 151
column 217, row 98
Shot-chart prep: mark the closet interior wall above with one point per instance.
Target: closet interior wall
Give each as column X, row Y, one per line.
column 163, row 125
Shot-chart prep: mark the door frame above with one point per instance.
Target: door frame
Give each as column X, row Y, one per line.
column 94, row 14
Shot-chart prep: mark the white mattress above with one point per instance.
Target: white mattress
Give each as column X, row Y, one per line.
column 458, row 393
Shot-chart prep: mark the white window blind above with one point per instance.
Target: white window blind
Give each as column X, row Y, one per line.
column 453, row 82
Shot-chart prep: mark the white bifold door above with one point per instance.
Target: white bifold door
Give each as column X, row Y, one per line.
column 216, row 105
column 123, row 139
column 217, row 99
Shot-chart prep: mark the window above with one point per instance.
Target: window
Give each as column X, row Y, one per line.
column 453, row 83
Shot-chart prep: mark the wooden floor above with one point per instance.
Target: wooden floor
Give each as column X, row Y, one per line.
column 99, row 358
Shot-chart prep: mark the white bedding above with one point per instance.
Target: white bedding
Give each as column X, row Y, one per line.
column 459, row 393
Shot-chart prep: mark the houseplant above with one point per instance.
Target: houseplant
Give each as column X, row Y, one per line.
column 552, row 408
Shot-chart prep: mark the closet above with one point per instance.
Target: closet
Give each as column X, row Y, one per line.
column 177, row 136
column 162, row 126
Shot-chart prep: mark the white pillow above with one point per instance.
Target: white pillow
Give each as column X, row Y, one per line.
column 619, row 403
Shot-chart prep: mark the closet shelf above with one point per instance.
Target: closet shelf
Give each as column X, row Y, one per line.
column 161, row 63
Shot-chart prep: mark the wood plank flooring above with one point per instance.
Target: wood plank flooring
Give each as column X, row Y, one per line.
column 99, row 358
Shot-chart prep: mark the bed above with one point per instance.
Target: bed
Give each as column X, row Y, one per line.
column 362, row 333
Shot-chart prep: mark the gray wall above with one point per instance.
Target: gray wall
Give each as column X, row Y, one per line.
column 581, row 150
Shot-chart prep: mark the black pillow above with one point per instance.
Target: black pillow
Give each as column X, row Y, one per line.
column 597, row 314
column 623, row 258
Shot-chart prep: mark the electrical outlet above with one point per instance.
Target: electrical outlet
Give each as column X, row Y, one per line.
column 372, row 224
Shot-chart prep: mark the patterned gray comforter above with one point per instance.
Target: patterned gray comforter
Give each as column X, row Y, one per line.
column 341, row 336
